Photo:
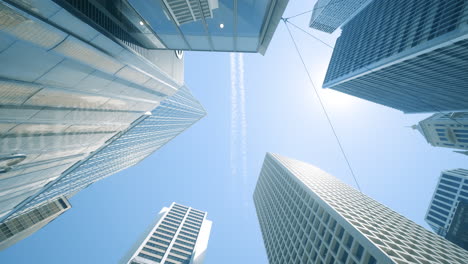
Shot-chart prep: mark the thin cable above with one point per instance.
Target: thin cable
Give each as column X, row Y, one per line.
column 300, row 14
column 316, row 38
column 323, row 107
column 317, row 8
column 286, row 20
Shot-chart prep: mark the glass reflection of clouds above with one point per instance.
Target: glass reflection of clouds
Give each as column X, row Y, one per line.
column 219, row 25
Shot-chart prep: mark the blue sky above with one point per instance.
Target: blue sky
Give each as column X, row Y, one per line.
column 393, row 163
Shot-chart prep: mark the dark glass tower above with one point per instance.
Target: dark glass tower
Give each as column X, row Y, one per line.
column 408, row 55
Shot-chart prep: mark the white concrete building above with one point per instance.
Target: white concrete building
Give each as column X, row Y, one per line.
column 309, row 216
column 448, row 130
column 179, row 235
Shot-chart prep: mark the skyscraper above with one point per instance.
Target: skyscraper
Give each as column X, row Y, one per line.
column 448, row 130
column 408, row 55
column 66, row 89
column 448, row 209
column 142, row 138
column 309, row 216
column 23, row 225
column 328, row 15
column 204, row 25
column 180, row 234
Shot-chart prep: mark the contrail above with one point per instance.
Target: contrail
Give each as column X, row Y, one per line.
column 243, row 121
column 238, row 118
column 234, row 114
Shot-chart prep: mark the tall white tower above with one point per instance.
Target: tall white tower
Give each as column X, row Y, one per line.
column 309, row 216
column 179, row 235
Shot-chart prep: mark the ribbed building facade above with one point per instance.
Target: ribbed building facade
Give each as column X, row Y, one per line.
column 328, row 15
column 179, row 236
column 408, row 55
column 309, row 216
column 141, row 139
column 188, row 11
column 65, row 90
column 450, row 197
column 24, row 225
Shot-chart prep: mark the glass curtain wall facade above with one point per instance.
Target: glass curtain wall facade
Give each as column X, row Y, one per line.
column 66, row 89
column 204, row 25
column 328, row 15
column 448, row 130
column 309, row 216
column 408, row 55
column 141, row 139
column 450, row 197
column 179, row 235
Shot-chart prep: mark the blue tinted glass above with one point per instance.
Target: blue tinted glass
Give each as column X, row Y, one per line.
column 446, row 194
column 440, row 198
column 222, row 26
column 447, row 188
column 443, row 139
column 454, row 184
column 250, row 16
column 464, row 193
column 196, row 35
column 440, row 130
column 438, row 216
column 460, row 130
column 463, row 140
column 435, row 221
column 206, row 24
column 159, row 20
column 451, row 178
column 441, row 204
column 443, row 212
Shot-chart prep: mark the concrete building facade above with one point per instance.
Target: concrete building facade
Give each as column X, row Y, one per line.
column 309, row 216
column 447, row 130
column 179, row 235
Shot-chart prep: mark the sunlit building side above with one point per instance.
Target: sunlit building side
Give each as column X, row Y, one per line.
column 447, row 130
column 65, row 90
column 308, row 216
column 180, row 234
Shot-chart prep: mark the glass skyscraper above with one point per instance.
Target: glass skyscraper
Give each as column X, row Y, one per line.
column 448, row 130
column 143, row 137
column 309, row 216
column 205, row 25
column 180, row 234
column 65, row 90
column 328, row 15
column 448, row 209
column 408, row 55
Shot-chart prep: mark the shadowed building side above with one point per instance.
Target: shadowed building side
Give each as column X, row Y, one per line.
column 408, row 55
